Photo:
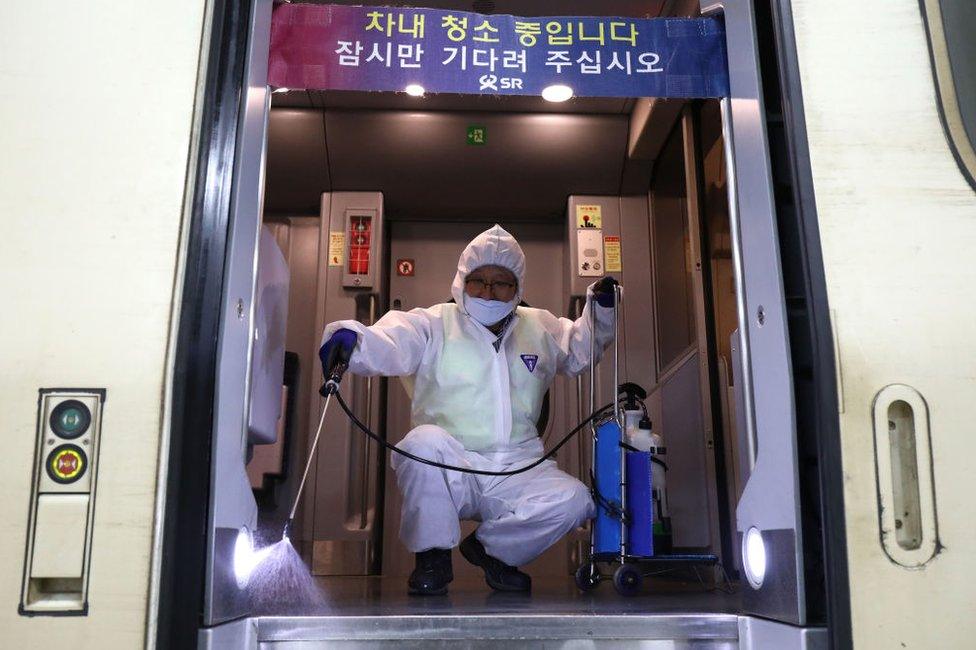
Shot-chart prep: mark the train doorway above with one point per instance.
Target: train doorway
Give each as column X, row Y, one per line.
column 685, row 190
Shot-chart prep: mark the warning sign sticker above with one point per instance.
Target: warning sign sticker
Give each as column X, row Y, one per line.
column 66, row 464
column 337, row 247
column 611, row 254
column 405, row 267
column 589, row 216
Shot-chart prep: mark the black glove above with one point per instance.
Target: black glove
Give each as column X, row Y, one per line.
column 603, row 291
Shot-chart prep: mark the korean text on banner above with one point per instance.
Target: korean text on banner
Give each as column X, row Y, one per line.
column 333, row 47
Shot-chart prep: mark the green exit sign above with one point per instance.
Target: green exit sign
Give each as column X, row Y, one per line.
column 477, row 135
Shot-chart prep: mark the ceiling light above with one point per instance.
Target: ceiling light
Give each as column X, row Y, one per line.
column 280, row 90
column 415, row 90
column 557, row 93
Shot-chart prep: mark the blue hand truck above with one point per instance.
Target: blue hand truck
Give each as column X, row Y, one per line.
column 622, row 532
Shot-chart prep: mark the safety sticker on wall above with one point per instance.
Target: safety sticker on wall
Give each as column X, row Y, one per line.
column 611, row 254
column 405, row 267
column 589, row 216
column 337, row 247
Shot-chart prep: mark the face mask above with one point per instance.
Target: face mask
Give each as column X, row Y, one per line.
column 487, row 312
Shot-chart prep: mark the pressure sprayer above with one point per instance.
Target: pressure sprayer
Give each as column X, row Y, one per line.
column 338, row 362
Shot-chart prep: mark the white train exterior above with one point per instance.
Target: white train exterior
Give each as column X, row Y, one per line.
column 103, row 118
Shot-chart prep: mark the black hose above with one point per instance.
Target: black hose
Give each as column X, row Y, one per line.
column 467, row 470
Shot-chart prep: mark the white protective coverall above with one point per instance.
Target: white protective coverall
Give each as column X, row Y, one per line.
column 473, row 406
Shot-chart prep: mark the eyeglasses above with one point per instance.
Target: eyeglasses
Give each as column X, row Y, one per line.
column 499, row 290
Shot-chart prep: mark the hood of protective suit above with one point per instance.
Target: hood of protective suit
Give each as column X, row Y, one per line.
column 494, row 246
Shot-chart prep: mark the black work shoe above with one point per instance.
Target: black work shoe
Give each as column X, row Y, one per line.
column 432, row 573
column 498, row 575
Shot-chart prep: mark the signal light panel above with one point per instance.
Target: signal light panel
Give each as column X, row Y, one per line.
column 59, row 532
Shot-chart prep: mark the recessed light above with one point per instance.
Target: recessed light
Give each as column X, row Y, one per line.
column 557, row 93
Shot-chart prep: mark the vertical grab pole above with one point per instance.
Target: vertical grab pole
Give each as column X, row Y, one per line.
column 592, row 316
column 579, row 302
column 620, row 423
column 364, row 497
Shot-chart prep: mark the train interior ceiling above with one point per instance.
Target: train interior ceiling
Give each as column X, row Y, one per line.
column 430, row 173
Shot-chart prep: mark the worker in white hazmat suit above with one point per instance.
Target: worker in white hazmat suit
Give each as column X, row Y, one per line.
column 477, row 371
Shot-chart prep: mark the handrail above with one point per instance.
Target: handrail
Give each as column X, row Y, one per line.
column 364, row 498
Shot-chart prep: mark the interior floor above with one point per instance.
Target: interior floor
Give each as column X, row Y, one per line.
column 378, row 612
column 387, row 596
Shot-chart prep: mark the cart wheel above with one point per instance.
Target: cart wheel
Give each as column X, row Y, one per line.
column 587, row 577
column 627, row 580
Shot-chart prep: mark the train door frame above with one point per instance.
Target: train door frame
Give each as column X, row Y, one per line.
column 178, row 578
column 181, row 553
column 811, row 330
column 768, row 510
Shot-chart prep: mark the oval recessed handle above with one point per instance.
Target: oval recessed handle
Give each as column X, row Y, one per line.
column 906, row 494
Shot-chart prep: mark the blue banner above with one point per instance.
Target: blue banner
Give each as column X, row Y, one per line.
column 333, row 47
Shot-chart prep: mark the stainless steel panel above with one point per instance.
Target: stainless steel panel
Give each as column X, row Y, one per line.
column 688, row 476
column 268, row 355
column 299, row 239
column 637, row 314
column 232, row 504
column 776, row 597
column 665, row 627
column 577, row 286
column 671, row 248
column 719, row 513
column 770, row 501
column 746, row 443
column 534, row 644
column 338, row 488
column 760, row 634
column 238, row 635
column 342, row 557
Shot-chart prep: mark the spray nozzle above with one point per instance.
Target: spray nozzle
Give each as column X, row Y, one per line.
column 333, row 379
column 335, row 355
column 286, row 533
column 633, row 395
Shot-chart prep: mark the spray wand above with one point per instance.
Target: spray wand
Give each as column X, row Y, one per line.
column 338, row 362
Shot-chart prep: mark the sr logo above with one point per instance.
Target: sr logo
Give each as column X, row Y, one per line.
column 493, row 82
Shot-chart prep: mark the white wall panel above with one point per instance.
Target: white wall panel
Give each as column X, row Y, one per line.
column 898, row 229
column 96, row 104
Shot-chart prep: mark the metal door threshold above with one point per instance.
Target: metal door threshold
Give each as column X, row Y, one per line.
column 711, row 631
column 514, row 630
